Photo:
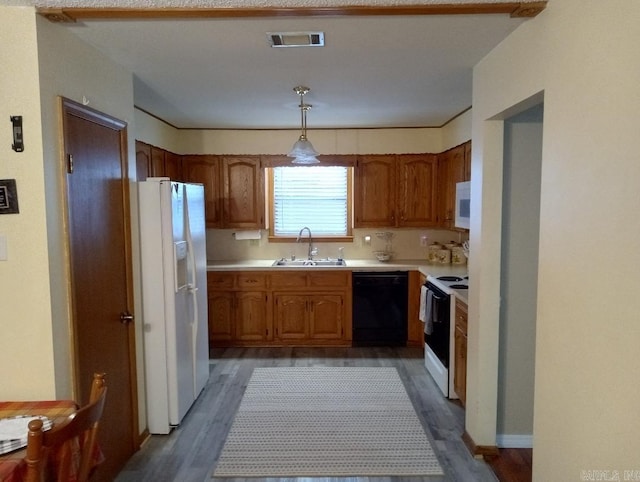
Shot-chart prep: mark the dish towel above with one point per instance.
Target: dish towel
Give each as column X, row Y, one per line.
column 426, row 309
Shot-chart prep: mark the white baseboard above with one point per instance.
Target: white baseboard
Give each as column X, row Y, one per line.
column 506, row 441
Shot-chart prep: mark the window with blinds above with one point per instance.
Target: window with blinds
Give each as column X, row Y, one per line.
column 313, row 196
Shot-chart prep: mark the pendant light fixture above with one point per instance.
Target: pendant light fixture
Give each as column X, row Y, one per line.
column 302, row 151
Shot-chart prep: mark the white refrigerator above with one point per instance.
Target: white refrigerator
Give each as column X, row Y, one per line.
column 174, row 291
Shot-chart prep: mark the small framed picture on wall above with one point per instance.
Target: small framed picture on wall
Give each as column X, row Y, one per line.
column 8, row 196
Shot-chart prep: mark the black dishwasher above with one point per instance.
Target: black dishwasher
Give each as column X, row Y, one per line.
column 380, row 308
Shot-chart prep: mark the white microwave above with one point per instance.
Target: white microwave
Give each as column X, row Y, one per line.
column 463, row 204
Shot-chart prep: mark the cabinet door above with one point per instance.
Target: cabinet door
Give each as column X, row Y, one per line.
column 251, row 316
column 460, row 369
column 375, row 191
column 206, row 170
column 445, row 212
column 326, row 317
column 243, row 191
column 221, row 308
column 291, row 314
column 157, row 167
column 415, row 327
column 452, row 163
column 460, row 351
column 173, row 166
column 417, row 190
column 143, row 160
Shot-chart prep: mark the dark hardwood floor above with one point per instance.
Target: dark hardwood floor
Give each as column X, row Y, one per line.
column 190, row 452
column 512, row 465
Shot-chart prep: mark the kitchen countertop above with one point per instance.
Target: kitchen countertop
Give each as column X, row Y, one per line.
column 352, row 265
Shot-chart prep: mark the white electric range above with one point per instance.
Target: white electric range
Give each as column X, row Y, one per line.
column 439, row 340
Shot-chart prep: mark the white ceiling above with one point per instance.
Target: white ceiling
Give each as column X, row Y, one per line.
column 374, row 71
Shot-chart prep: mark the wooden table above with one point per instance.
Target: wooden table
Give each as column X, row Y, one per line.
column 12, row 464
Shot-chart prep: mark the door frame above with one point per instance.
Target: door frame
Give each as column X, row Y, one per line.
column 68, row 106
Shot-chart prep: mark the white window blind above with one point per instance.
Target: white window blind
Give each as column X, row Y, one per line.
column 314, row 196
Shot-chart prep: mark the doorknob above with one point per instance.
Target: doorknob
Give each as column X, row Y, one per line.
column 126, row 317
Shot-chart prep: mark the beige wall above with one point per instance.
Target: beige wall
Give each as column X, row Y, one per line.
column 583, row 55
column 326, row 141
column 221, row 245
column 25, row 304
column 72, row 69
column 457, row 131
column 45, row 60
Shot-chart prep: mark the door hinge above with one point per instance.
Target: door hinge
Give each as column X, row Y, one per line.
column 70, row 163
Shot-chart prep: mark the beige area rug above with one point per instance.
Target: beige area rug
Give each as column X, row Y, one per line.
column 324, row 422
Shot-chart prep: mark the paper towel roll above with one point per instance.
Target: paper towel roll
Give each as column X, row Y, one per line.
column 251, row 234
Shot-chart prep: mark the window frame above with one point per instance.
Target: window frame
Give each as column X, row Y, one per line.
column 292, row 239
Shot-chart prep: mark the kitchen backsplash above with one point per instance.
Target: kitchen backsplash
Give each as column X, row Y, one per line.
column 405, row 244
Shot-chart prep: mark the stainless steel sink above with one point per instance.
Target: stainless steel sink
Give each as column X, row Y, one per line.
column 309, row 263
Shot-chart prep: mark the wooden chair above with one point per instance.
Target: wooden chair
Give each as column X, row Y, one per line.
column 56, row 443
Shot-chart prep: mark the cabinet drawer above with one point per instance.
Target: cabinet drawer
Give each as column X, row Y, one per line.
column 251, row 280
column 333, row 279
column 289, row 279
column 216, row 281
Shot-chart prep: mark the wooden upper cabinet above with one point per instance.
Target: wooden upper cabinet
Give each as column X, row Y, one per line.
column 445, row 204
column 205, row 170
column 455, row 167
column 153, row 161
column 173, row 166
column 157, row 168
column 143, row 160
column 417, row 190
column 243, row 192
column 375, row 191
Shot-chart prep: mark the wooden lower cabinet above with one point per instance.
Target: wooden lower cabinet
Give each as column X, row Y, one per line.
column 251, row 323
column 290, row 314
column 238, row 316
column 326, row 317
column 238, row 309
column 314, row 318
column 220, row 312
column 280, row 308
column 460, row 354
column 415, row 327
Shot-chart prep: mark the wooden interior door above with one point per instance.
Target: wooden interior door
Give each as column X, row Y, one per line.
column 100, row 262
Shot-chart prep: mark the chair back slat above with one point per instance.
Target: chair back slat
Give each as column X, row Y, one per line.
column 81, row 427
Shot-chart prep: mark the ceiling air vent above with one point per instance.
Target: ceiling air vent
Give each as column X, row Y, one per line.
column 296, row 39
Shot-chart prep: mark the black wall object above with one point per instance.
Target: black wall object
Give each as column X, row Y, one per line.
column 8, row 196
column 18, row 141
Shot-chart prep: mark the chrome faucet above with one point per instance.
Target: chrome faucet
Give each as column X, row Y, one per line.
column 311, row 251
